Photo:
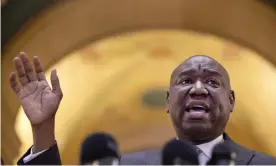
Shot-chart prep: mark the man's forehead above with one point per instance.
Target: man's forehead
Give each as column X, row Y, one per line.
column 200, row 61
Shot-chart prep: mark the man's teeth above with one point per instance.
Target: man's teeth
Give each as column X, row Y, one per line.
column 198, row 109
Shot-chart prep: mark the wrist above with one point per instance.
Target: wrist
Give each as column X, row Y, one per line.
column 44, row 135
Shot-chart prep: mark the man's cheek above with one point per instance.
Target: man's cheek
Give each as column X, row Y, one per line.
column 181, row 95
column 215, row 96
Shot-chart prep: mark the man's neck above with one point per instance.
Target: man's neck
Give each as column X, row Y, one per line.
column 199, row 141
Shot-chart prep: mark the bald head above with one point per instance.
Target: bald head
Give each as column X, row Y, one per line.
column 200, row 99
column 200, row 61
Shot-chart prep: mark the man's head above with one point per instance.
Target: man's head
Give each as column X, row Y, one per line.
column 200, row 99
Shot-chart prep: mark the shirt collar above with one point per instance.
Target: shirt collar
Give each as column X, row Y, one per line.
column 207, row 148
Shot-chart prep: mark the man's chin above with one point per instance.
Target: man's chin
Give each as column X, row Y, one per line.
column 197, row 130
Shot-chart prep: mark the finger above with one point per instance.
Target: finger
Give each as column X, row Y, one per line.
column 55, row 83
column 38, row 69
column 28, row 67
column 14, row 85
column 20, row 71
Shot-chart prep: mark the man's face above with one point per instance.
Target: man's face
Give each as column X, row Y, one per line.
column 200, row 99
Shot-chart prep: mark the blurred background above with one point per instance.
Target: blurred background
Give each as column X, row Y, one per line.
column 114, row 60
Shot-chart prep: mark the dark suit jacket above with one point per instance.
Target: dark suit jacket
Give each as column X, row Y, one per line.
column 152, row 157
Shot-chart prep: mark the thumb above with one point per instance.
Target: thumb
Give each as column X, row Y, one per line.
column 55, row 83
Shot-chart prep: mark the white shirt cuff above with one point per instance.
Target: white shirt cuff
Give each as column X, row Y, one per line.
column 32, row 156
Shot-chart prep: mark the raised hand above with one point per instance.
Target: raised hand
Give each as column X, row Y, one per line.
column 39, row 101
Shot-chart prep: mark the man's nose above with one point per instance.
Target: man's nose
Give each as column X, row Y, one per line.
column 198, row 89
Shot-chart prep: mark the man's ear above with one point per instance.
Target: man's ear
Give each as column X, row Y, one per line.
column 167, row 99
column 232, row 99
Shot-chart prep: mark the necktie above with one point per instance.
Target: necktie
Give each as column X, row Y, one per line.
column 202, row 157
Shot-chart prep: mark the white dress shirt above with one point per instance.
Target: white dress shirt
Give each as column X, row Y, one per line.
column 32, row 156
column 203, row 158
column 207, row 149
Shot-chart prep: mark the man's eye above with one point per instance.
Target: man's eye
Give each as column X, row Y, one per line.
column 212, row 82
column 186, row 81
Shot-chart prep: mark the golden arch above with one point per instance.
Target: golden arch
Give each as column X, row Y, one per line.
column 58, row 31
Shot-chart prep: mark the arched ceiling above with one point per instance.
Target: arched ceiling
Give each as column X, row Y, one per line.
column 17, row 13
column 111, row 76
column 60, row 34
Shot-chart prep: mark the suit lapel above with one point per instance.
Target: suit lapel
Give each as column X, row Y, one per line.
column 243, row 155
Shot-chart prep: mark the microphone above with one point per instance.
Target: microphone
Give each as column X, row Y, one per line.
column 99, row 149
column 2, row 161
column 177, row 152
column 222, row 155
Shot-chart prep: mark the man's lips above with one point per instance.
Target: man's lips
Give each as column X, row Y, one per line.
column 197, row 105
column 196, row 110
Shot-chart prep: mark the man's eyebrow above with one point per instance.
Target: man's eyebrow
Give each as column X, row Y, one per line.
column 191, row 71
column 211, row 71
column 186, row 72
column 176, row 75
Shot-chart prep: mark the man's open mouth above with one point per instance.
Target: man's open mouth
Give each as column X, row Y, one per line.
column 197, row 110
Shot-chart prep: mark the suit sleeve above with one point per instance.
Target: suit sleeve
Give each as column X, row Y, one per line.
column 49, row 157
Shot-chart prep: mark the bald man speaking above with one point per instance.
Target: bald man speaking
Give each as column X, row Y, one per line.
column 200, row 101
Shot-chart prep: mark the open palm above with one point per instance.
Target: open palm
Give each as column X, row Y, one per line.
column 38, row 100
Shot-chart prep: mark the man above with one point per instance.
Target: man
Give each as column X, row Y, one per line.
column 200, row 101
